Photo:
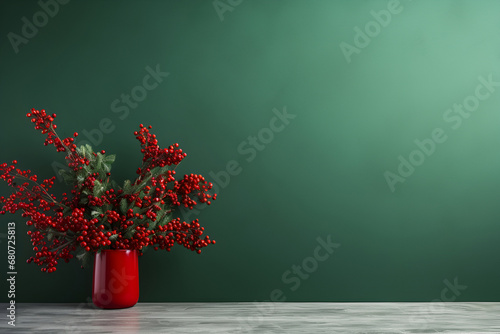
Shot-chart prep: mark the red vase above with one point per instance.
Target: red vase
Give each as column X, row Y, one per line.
column 116, row 279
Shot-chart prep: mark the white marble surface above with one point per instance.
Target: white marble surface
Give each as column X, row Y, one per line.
column 307, row 318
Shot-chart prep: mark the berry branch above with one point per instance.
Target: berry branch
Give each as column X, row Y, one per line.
column 98, row 214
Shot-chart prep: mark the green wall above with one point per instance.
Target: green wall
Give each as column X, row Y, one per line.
column 357, row 107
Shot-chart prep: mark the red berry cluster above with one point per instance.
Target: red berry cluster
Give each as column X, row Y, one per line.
column 193, row 184
column 43, row 121
column 154, row 156
column 97, row 215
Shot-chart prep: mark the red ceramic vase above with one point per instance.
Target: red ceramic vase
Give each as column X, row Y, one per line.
column 116, row 279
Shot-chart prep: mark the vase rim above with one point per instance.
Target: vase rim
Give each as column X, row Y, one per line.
column 118, row 250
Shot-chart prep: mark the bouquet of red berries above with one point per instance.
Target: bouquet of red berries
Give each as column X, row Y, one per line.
column 98, row 213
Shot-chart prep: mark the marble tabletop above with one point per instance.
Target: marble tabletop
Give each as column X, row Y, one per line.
column 256, row 317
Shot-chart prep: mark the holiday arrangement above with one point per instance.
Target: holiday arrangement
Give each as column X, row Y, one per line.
column 99, row 214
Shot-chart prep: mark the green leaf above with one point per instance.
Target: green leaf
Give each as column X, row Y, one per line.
column 50, row 236
column 165, row 219
column 84, row 257
column 165, row 169
column 113, row 237
column 67, row 176
column 95, row 214
column 106, row 167
column 106, row 162
column 66, row 211
column 85, row 151
column 127, row 187
column 98, row 189
column 80, row 178
column 138, row 187
column 129, row 233
column 99, row 160
column 123, row 206
column 63, row 172
column 81, row 150
column 110, row 158
column 152, row 225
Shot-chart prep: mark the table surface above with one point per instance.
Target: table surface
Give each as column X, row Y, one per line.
column 310, row 318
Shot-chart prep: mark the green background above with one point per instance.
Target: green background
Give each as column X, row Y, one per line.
column 323, row 175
